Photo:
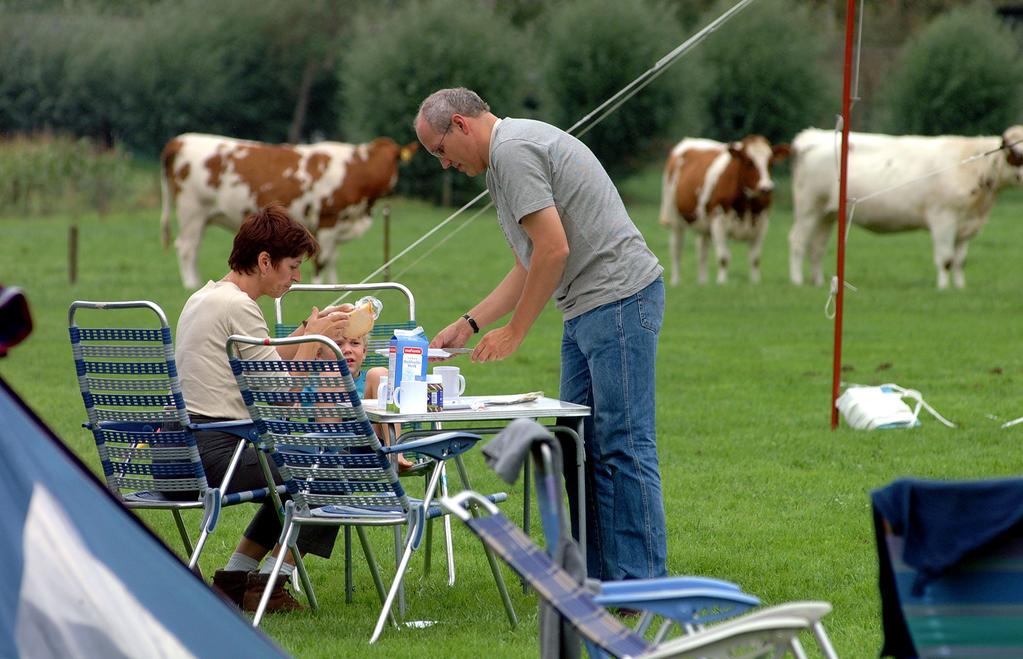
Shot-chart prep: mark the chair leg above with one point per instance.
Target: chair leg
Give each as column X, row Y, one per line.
column 822, row 639
column 797, row 649
column 495, row 569
column 183, row 532
column 527, row 524
column 428, row 549
column 397, row 562
column 428, row 552
column 303, row 572
column 210, row 515
column 272, row 581
column 502, row 589
column 410, row 545
column 348, row 565
column 374, row 571
column 449, row 547
column 395, row 585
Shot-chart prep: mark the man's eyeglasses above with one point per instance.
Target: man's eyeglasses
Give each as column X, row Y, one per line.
column 439, row 151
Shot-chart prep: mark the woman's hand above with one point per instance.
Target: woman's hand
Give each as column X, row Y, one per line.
column 328, row 324
column 346, row 308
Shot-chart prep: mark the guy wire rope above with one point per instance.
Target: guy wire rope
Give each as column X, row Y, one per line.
column 605, row 108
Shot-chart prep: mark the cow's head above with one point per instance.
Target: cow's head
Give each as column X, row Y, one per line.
column 1012, row 143
column 755, row 155
column 385, row 155
column 408, row 151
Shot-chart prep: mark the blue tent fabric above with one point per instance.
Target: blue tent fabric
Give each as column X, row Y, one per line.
column 82, row 576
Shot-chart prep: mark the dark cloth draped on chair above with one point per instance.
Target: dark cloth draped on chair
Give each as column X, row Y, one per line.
column 942, row 524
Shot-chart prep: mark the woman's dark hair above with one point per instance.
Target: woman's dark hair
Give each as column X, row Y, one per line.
column 271, row 230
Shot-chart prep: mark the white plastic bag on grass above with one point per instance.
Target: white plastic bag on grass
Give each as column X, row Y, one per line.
column 882, row 407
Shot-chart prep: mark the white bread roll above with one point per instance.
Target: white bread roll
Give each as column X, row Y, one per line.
column 360, row 321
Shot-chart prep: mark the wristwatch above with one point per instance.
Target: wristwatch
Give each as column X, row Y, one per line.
column 472, row 323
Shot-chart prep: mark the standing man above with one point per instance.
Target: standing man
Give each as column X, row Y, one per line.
column 574, row 241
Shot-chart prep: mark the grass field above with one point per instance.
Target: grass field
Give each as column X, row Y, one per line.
column 758, row 489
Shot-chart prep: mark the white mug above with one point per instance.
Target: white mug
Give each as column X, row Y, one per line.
column 410, row 396
column 454, row 382
column 383, row 393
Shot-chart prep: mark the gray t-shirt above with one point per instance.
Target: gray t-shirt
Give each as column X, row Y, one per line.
column 533, row 166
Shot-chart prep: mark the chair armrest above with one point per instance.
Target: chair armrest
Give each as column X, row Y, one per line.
column 126, row 426
column 439, row 447
column 684, row 605
column 611, row 588
column 245, row 429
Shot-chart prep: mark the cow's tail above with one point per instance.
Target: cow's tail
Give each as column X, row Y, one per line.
column 166, row 169
column 669, row 180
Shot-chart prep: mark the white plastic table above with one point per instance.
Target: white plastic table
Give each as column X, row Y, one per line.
column 479, row 419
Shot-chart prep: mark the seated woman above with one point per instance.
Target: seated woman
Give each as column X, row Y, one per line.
column 265, row 260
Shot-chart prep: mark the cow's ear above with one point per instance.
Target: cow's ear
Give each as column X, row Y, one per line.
column 780, row 152
column 408, row 150
column 735, row 148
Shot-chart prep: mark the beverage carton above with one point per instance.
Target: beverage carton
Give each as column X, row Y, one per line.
column 406, row 358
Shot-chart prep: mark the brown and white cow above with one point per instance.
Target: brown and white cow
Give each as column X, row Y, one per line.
column 720, row 191
column 328, row 186
column 905, row 182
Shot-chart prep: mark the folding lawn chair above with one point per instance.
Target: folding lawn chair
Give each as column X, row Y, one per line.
column 379, row 338
column 311, row 423
column 324, row 294
column 950, row 558
column 129, row 384
column 764, row 632
column 688, row 603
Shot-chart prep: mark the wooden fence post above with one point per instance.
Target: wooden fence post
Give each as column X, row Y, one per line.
column 387, row 242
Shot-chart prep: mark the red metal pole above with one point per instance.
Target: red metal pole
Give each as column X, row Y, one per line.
column 850, row 21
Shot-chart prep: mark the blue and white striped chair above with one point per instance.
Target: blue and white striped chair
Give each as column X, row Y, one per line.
column 124, row 359
column 310, row 421
column 689, row 603
column 764, row 632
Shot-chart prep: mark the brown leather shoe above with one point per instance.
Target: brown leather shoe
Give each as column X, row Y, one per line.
column 230, row 585
column 280, row 599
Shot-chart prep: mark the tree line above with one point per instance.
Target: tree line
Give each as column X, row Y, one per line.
column 135, row 74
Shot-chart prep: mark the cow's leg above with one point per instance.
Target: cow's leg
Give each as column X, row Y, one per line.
column 799, row 236
column 676, row 239
column 719, row 233
column 959, row 262
column 756, row 246
column 943, row 235
column 192, row 222
column 702, row 248
column 818, row 244
column 326, row 259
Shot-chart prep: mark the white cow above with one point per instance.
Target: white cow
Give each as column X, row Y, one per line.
column 949, row 199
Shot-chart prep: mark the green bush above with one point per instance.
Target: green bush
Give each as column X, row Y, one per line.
column 46, row 173
column 173, row 66
column 57, row 73
column 764, row 72
column 593, row 49
column 232, row 71
column 961, row 74
column 398, row 58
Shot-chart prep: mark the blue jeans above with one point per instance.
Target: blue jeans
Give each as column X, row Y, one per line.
column 608, row 355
